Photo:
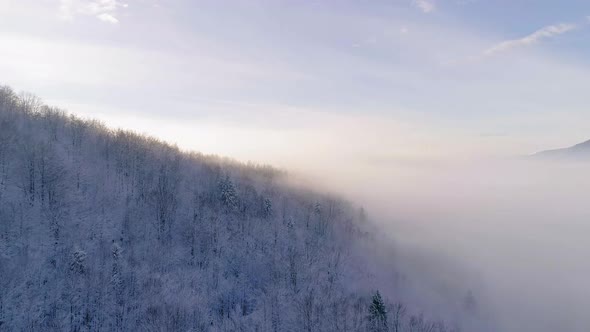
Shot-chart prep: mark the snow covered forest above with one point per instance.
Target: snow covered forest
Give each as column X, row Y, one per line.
column 108, row 230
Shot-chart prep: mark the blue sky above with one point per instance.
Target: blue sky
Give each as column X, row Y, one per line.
column 277, row 81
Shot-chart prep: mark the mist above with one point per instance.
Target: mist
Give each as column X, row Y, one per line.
column 510, row 230
column 514, row 232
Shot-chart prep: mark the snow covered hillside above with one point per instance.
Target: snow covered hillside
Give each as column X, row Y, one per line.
column 107, row 230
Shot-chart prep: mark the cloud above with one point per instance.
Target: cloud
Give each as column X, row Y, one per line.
column 105, row 17
column 426, row 6
column 543, row 33
column 104, row 10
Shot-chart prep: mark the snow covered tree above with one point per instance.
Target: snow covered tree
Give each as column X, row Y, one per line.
column 377, row 314
column 227, row 194
column 209, row 244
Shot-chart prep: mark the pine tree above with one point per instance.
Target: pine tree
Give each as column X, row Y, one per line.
column 377, row 314
column 227, row 194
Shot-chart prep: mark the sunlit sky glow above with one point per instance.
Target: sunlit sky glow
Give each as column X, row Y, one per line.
column 286, row 81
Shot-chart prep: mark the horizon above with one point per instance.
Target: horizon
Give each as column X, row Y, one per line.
column 402, row 81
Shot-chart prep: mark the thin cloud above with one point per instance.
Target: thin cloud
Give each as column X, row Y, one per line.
column 104, row 10
column 426, row 6
column 535, row 37
column 106, row 17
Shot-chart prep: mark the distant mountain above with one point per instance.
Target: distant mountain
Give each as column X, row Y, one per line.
column 579, row 151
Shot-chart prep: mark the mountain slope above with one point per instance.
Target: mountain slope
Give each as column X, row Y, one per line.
column 104, row 230
column 579, row 151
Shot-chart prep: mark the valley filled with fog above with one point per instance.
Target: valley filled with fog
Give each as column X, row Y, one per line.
column 514, row 231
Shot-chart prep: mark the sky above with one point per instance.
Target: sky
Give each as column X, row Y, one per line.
column 300, row 83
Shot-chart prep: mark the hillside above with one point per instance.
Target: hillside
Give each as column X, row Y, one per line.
column 107, row 230
column 579, row 151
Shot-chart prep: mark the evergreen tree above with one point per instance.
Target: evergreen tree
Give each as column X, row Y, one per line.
column 377, row 314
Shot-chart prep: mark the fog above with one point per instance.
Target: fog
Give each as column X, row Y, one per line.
column 513, row 231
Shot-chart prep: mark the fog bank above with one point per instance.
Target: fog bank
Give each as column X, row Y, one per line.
column 520, row 227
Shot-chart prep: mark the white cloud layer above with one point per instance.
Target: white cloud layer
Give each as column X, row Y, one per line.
column 535, row 37
column 106, row 17
column 426, row 6
column 104, row 10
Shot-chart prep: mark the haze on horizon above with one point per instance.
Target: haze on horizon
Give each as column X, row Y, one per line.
column 332, row 83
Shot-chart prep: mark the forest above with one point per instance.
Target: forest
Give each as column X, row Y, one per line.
column 110, row 230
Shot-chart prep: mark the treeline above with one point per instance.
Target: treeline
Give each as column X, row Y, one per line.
column 108, row 230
